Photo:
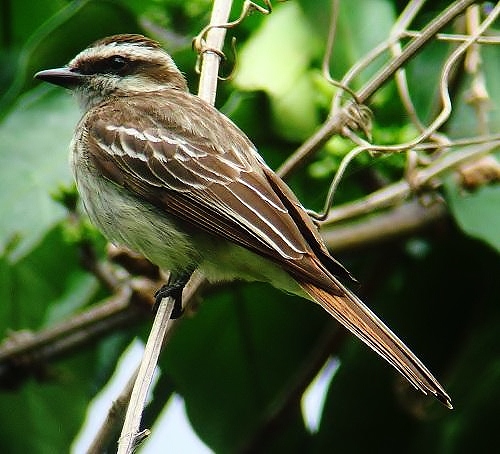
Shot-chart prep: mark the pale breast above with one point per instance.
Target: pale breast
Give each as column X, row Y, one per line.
column 125, row 220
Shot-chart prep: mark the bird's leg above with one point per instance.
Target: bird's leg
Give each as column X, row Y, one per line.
column 173, row 288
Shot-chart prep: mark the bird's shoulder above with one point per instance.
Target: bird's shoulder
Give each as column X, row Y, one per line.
column 170, row 109
column 180, row 116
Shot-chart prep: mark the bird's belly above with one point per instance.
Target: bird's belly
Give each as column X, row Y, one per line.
column 125, row 220
column 138, row 225
column 225, row 261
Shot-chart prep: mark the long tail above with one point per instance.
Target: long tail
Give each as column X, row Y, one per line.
column 361, row 321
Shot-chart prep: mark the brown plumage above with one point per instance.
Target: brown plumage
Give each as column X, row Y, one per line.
column 168, row 175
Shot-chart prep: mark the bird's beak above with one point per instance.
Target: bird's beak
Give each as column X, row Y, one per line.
column 63, row 77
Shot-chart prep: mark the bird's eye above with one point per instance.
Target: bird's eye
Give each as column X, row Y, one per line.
column 117, row 63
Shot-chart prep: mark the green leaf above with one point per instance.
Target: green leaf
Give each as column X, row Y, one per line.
column 43, row 418
column 477, row 213
column 42, row 286
column 277, row 62
column 466, row 120
column 236, row 360
column 359, row 30
column 55, row 42
column 423, row 73
column 33, row 162
column 32, row 290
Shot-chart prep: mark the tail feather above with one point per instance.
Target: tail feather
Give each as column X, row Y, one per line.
column 361, row 321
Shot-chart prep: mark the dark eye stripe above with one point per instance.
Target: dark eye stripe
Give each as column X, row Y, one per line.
column 116, row 64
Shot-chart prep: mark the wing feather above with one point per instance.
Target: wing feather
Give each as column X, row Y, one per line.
column 217, row 184
column 213, row 179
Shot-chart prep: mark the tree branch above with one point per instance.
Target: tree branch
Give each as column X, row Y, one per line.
column 114, row 419
column 21, row 354
column 211, row 55
column 400, row 221
column 130, row 435
column 399, row 191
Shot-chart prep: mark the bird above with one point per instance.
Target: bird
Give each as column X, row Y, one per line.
column 166, row 174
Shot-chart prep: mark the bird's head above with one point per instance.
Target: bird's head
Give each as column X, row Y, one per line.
column 118, row 65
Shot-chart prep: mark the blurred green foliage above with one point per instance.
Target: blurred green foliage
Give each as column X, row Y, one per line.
column 238, row 358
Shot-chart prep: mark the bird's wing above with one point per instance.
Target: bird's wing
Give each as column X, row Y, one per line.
column 208, row 175
column 218, row 187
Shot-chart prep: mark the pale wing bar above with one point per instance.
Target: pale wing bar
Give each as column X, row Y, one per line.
column 235, row 193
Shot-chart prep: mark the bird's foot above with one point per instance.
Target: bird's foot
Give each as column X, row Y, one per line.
column 172, row 289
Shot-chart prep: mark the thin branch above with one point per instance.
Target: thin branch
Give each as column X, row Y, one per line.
column 403, row 220
column 413, row 47
column 477, row 95
column 399, row 191
column 208, row 43
column 116, row 414
column 114, row 419
column 85, row 327
column 130, row 436
column 325, row 65
column 453, row 37
column 211, row 57
column 405, row 19
column 428, row 131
